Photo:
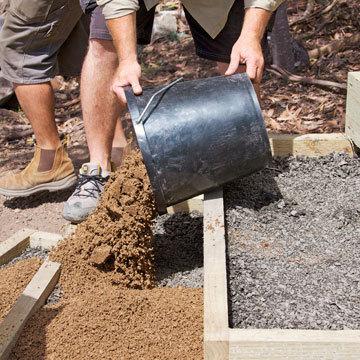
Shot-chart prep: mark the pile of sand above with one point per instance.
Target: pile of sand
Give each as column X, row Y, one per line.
column 13, row 280
column 114, row 323
column 103, row 314
column 115, row 242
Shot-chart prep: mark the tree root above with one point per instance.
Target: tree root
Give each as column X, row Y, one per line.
column 303, row 79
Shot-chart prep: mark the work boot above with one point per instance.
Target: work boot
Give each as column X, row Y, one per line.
column 85, row 198
column 50, row 170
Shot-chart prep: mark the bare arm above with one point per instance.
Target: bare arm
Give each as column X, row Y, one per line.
column 123, row 31
column 247, row 48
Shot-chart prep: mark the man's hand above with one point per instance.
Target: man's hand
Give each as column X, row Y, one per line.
column 123, row 31
column 128, row 73
column 247, row 50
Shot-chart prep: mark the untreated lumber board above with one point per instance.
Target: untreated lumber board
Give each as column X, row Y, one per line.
column 310, row 145
column 44, row 240
column 271, row 344
column 14, row 245
column 352, row 126
column 32, row 298
column 193, row 204
column 216, row 326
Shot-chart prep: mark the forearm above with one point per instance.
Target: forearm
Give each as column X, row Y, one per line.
column 123, row 32
column 255, row 23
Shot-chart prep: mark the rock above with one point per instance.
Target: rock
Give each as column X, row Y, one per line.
column 165, row 23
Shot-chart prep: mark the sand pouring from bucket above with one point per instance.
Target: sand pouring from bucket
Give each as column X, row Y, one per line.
column 198, row 135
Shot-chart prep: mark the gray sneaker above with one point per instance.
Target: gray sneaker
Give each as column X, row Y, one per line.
column 87, row 193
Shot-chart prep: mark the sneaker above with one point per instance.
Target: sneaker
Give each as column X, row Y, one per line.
column 86, row 196
column 33, row 179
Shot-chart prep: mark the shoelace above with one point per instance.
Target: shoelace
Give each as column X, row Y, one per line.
column 96, row 181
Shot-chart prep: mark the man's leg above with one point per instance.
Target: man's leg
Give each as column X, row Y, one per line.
column 101, row 111
column 38, row 32
column 37, row 102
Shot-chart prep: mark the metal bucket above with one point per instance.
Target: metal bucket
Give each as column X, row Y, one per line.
column 198, row 135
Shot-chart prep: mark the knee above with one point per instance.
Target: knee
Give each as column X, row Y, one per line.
column 102, row 51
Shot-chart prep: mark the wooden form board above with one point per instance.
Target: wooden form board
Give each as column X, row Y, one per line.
column 223, row 343
column 32, row 298
column 352, row 126
column 216, row 345
column 15, row 245
column 311, row 145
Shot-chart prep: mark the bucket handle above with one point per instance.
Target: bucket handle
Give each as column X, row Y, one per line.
column 139, row 119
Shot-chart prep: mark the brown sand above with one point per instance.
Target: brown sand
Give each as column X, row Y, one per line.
column 97, row 318
column 114, row 323
column 114, row 243
column 13, row 280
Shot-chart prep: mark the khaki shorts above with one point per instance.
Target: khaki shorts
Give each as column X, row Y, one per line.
column 41, row 39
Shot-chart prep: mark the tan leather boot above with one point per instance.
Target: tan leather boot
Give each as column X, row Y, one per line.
column 30, row 180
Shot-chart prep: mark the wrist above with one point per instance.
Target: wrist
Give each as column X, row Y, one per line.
column 251, row 36
column 128, row 59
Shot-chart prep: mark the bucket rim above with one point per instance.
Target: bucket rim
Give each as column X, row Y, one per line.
column 145, row 151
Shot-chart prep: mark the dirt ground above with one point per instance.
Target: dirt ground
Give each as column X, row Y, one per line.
column 288, row 106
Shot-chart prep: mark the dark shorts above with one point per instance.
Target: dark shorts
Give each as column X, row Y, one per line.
column 145, row 20
column 218, row 49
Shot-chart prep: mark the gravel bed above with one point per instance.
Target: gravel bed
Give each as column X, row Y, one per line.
column 29, row 252
column 293, row 245
column 178, row 246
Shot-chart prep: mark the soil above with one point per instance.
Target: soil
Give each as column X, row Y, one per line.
column 293, row 240
column 13, row 280
column 116, row 241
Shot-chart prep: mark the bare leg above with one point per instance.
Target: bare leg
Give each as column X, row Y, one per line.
column 37, row 102
column 101, row 108
column 119, row 136
column 222, row 67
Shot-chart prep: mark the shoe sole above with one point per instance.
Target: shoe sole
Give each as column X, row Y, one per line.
column 58, row 185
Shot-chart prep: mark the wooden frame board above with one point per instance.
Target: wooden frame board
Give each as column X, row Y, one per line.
column 352, row 127
column 32, row 298
column 15, row 245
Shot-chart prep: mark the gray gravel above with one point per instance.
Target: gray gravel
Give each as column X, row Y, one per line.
column 294, row 244
column 178, row 249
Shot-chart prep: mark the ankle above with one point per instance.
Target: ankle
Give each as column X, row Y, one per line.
column 48, row 145
column 104, row 163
